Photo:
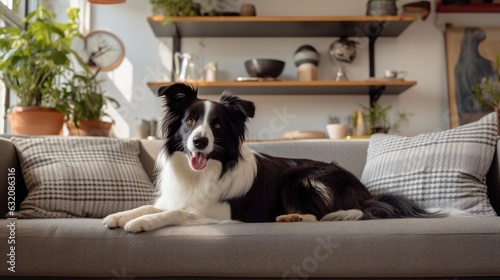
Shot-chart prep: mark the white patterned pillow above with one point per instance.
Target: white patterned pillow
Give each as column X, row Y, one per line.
column 442, row 169
column 81, row 177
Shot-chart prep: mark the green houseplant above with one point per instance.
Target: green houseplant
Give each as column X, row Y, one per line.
column 378, row 119
column 487, row 93
column 173, row 8
column 32, row 64
column 87, row 104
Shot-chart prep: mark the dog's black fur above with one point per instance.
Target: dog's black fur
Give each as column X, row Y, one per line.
column 280, row 185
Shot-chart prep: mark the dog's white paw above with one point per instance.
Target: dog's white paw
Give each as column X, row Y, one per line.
column 288, row 218
column 115, row 220
column 140, row 224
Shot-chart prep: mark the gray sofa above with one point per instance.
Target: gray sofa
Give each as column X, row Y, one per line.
column 442, row 247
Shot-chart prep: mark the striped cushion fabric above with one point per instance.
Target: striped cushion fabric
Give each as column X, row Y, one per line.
column 442, row 169
column 81, row 177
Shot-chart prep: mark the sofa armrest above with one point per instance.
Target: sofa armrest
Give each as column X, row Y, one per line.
column 10, row 161
column 493, row 180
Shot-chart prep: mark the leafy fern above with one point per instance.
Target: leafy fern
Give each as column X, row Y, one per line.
column 487, row 93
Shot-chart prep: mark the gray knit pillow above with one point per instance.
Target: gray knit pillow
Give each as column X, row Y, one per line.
column 81, row 177
column 443, row 169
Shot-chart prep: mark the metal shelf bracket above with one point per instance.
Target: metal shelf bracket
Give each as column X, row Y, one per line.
column 373, row 32
column 375, row 93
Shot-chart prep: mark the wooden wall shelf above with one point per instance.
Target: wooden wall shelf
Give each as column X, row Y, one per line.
column 468, row 8
column 372, row 27
column 392, row 87
column 357, row 26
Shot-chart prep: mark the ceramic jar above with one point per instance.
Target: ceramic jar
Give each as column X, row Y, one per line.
column 381, row 8
column 306, row 59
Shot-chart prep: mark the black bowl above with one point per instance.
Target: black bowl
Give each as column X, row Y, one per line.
column 264, row 68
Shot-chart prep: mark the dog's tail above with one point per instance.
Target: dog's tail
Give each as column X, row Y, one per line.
column 393, row 206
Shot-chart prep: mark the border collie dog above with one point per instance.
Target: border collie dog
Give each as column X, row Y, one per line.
column 207, row 174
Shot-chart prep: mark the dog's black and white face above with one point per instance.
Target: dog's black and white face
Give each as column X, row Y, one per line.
column 203, row 129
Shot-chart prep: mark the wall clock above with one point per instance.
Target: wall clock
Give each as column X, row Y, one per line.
column 104, row 50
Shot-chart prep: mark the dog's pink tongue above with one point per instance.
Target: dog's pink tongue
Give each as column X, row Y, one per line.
column 198, row 160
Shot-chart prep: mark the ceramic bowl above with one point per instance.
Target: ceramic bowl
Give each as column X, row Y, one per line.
column 264, row 68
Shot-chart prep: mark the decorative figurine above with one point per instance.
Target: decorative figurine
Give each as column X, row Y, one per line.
column 306, row 59
column 342, row 51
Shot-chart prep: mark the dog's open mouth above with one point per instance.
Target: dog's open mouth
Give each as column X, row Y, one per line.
column 198, row 160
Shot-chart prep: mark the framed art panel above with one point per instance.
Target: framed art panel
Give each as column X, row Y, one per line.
column 470, row 53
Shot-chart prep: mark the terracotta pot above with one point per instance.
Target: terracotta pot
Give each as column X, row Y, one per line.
column 36, row 121
column 89, row 128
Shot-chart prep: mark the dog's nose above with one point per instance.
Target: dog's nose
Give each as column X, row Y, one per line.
column 200, row 142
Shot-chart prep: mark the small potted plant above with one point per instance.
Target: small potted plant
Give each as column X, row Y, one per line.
column 174, row 8
column 87, row 105
column 32, row 64
column 488, row 91
column 379, row 122
column 335, row 129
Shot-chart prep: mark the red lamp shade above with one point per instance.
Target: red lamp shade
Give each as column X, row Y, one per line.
column 107, row 1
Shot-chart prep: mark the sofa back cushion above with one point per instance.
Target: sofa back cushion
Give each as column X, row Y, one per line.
column 444, row 169
column 148, row 152
column 350, row 154
column 81, row 177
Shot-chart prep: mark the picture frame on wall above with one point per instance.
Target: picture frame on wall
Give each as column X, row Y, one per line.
column 470, row 53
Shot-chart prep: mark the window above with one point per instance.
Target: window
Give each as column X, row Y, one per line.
column 12, row 12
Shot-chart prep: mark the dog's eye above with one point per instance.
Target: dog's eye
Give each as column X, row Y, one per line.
column 217, row 125
column 190, row 121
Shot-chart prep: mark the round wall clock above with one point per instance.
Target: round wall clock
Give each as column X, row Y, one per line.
column 104, row 50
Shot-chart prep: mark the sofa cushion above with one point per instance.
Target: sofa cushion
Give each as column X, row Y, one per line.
column 350, row 154
column 81, row 177
column 446, row 247
column 444, row 169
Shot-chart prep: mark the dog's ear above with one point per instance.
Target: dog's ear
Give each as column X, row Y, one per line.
column 233, row 103
column 178, row 94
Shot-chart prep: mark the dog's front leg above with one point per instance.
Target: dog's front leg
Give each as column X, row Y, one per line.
column 121, row 218
column 167, row 218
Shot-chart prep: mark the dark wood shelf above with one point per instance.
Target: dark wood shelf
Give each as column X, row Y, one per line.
column 392, row 87
column 468, row 8
column 357, row 26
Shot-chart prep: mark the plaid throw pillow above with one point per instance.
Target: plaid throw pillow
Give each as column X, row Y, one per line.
column 444, row 169
column 81, row 177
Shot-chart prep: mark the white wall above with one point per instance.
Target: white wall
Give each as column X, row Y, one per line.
column 419, row 51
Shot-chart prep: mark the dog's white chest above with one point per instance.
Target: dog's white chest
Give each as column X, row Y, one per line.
column 201, row 191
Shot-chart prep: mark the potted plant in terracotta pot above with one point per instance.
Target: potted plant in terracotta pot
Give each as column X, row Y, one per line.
column 87, row 105
column 488, row 91
column 32, row 63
